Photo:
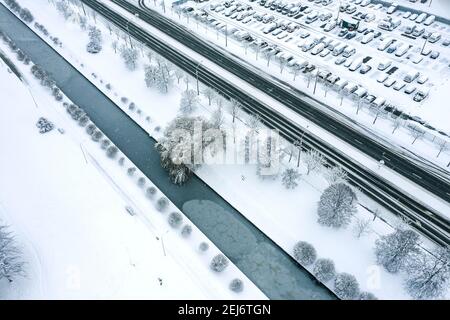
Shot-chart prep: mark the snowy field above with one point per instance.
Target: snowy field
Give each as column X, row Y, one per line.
column 436, row 73
column 78, row 239
column 285, row 224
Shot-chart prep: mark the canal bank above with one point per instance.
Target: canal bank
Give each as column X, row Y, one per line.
column 263, row 262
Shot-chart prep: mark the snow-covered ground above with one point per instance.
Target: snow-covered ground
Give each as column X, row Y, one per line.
column 430, row 109
column 66, row 202
column 286, row 216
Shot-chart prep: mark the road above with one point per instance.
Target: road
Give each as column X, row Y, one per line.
column 423, row 218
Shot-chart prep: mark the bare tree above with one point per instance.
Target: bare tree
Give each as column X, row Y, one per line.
column 295, row 70
column 114, row 45
column 235, row 108
column 282, row 64
column 443, row 146
column 429, row 274
column 313, row 161
column 361, row 227
column 209, row 93
column 188, row 102
column 335, row 174
column 217, row 118
column 179, row 73
column 396, row 123
column 289, row 178
column 268, row 56
column 416, row 133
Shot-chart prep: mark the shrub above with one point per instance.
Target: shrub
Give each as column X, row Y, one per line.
column 97, row 136
column 305, row 253
column 203, row 246
column 150, row 192
column 346, row 286
column 175, row 219
column 132, row 106
column 131, row 171
column 162, row 204
column 186, row 231
column 83, row 121
column 219, row 263
column 141, row 182
column 124, row 99
column 90, row 129
column 112, row 152
column 105, row 144
column 324, row 270
column 236, row 285
column 121, row 161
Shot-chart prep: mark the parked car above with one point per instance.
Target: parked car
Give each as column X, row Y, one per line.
column 420, row 95
column 340, row 60
column 434, row 54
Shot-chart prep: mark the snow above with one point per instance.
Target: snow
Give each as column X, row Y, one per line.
column 69, row 216
column 285, row 216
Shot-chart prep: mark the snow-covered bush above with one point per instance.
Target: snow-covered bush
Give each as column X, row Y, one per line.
column 175, row 219
column 90, row 129
column 44, row 125
column 182, row 154
column 162, row 204
column 95, row 40
column 121, row 161
column 132, row 106
column 75, row 112
column 219, row 263
column 112, row 152
column 26, row 15
column 150, row 192
column 335, row 174
column 236, row 285
column 346, row 286
column 304, row 253
column 186, row 231
column 23, row 13
column 83, row 121
column 289, row 178
column 105, row 144
column 131, row 171
column 130, row 57
column 203, row 246
column 394, row 250
column 324, row 270
column 97, row 136
column 367, row 296
column 57, row 94
column 337, row 205
column 141, row 182
column 11, row 262
column 428, row 275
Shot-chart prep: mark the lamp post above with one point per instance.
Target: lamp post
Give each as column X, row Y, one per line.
column 196, row 75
